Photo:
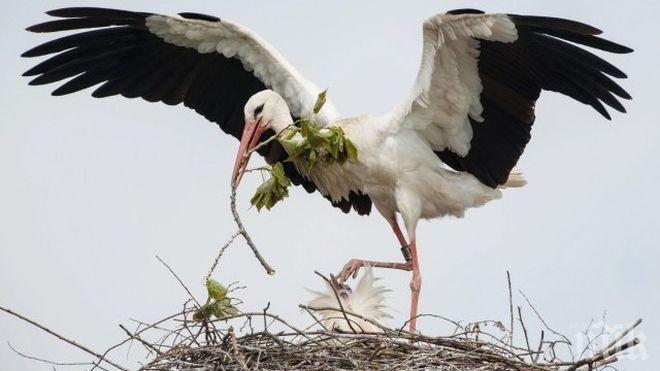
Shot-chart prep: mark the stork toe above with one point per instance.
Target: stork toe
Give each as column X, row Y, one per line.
column 350, row 269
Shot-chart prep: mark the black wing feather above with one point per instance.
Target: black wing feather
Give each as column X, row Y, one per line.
column 124, row 58
column 545, row 57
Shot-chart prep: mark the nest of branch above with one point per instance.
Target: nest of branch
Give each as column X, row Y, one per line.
column 265, row 341
column 213, row 348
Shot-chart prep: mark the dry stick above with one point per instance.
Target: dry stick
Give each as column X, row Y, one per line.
column 522, row 323
column 178, row 279
column 105, row 354
column 508, row 278
column 237, row 219
column 222, row 251
column 542, row 320
column 538, row 352
column 52, row 363
column 72, row 342
column 265, row 311
column 604, row 354
column 457, row 326
column 341, row 306
column 269, row 315
column 138, row 338
column 623, row 334
column 246, row 236
column 608, row 350
column 316, row 319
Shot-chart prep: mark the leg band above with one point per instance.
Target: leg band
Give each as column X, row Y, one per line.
column 406, row 253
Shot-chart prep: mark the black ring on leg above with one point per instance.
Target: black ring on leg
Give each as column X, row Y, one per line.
column 407, row 255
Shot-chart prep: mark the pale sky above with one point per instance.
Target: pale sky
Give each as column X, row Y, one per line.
column 91, row 190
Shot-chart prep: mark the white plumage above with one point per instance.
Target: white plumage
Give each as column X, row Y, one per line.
column 451, row 145
column 367, row 300
column 235, row 41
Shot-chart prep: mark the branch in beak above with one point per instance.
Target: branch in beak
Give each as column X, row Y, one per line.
column 250, row 138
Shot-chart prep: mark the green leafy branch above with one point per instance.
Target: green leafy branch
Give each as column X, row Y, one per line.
column 306, row 142
column 217, row 305
column 273, row 190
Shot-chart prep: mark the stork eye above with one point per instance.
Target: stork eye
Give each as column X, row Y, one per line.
column 258, row 110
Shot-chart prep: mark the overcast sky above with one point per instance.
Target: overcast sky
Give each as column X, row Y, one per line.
column 91, row 190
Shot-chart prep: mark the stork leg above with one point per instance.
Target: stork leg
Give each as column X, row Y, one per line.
column 415, row 286
column 410, row 207
column 353, row 266
column 397, row 231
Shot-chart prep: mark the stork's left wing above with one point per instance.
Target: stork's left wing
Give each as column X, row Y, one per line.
column 481, row 75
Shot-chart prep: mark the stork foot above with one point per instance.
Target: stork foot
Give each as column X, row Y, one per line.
column 338, row 286
column 352, row 268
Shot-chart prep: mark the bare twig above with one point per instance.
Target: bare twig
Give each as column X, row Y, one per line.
column 341, row 306
column 522, row 324
column 178, row 279
column 138, row 338
column 53, row 363
column 246, row 236
column 606, row 353
column 508, row 278
column 268, row 141
column 623, row 334
column 542, row 320
column 222, row 251
column 266, row 311
column 71, row 342
column 538, row 352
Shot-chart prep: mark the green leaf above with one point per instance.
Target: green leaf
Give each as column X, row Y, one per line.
column 223, row 308
column 307, row 143
column 215, row 289
column 351, row 150
column 291, row 147
column 218, row 308
column 311, row 159
column 273, row 190
column 288, row 133
column 306, row 128
column 203, row 314
column 279, row 175
column 320, row 101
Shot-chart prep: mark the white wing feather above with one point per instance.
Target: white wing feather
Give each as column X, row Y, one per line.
column 233, row 40
column 448, row 87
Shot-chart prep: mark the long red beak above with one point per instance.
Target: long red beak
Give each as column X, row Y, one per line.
column 251, row 134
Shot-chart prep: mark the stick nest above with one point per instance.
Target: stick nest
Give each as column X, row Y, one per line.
column 265, row 341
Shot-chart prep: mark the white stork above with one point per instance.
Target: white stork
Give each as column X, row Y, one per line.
column 452, row 144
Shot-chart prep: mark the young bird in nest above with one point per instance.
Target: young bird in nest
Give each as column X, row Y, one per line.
column 367, row 300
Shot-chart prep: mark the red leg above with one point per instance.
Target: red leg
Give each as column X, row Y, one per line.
column 353, row 267
column 415, row 286
column 398, row 233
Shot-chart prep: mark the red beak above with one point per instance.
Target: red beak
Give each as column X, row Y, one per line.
column 250, row 138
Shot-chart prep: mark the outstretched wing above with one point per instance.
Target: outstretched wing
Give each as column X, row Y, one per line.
column 209, row 65
column 480, row 78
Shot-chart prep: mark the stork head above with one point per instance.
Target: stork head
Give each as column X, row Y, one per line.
column 264, row 110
